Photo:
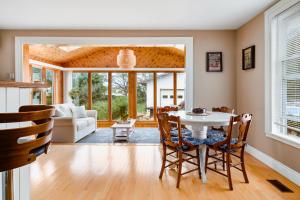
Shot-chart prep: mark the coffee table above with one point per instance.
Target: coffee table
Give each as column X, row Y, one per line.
column 121, row 131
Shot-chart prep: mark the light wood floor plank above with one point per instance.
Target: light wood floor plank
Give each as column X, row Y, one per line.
column 90, row 171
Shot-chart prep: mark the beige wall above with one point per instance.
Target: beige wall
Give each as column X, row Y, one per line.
column 206, row 85
column 250, row 95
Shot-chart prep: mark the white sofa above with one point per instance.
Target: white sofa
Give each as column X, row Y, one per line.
column 69, row 128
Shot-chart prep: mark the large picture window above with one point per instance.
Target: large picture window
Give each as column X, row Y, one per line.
column 100, row 95
column 42, row 74
column 180, row 86
column 79, row 92
column 283, row 75
column 49, row 91
column 36, row 94
column 119, row 95
column 165, row 88
column 145, row 96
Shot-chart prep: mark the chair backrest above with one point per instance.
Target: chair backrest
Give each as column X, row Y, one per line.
column 243, row 121
column 244, row 124
column 164, row 121
column 15, row 151
column 166, row 109
column 223, row 109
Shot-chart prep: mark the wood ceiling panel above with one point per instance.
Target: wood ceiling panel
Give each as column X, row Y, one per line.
column 106, row 57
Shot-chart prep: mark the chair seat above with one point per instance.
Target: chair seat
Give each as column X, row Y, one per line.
column 213, row 133
column 213, row 140
column 194, row 141
column 184, row 132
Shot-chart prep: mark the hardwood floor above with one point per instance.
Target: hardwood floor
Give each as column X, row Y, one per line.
column 89, row 171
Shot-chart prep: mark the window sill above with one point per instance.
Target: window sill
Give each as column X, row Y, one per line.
column 295, row 142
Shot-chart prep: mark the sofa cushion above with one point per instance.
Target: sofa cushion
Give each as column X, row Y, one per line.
column 90, row 121
column 81, row 123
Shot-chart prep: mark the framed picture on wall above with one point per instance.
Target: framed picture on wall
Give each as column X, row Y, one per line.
column 214, row 62
column 248, row 58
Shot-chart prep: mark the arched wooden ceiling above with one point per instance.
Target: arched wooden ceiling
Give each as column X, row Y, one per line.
column 106, row 57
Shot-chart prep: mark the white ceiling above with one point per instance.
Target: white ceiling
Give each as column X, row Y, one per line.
column 128, row 14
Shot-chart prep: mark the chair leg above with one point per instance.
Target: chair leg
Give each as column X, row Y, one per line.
column 223, row 158
column 215, row 162
column 163, row 164
column 228, row 160
column 206, row 159
column 243, row 166
column 179, row 168
column 198, row 162
column 9, row 185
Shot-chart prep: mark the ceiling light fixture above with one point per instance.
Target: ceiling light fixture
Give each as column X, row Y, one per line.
column 126, row 59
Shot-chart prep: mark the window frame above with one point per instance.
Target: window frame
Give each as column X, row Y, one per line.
column 154, row 79
column 271, row 51
column 132, row 106
column 44, row 79
column 53, row 85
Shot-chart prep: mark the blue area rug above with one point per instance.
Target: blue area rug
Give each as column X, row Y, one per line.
column 140, row 135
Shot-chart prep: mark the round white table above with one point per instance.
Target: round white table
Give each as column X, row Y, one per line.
column 198, row 125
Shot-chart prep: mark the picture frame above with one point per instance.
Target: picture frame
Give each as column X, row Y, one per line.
column 214, row 62
column 248, row 58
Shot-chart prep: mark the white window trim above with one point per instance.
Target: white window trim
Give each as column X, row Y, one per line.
column 187, row 41
column 269, row 72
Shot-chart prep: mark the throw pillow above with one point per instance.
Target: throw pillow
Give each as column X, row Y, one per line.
column 79, row 112
column 66, row 109
column 59, row 113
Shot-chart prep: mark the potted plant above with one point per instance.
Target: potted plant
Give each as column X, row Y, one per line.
column 123, row 113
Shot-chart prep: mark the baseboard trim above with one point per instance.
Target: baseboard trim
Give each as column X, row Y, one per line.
column 284, row 170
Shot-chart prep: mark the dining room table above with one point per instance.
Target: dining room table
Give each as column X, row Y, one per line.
column 198, row 124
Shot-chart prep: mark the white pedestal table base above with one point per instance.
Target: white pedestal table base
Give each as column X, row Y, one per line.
column 201, row 133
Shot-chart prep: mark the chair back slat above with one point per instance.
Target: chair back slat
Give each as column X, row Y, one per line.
column 223, row 109
column 167, row 109
column 24, row 116
column 11, row 136
column 245, row 121
column 17, row 148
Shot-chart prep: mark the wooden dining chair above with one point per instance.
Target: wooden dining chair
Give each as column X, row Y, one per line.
column 230, row 146
column 223, row 109
column 219, row 131
column 21, row 146
column 183, row 148
column 184, row 130
column 167, row 109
